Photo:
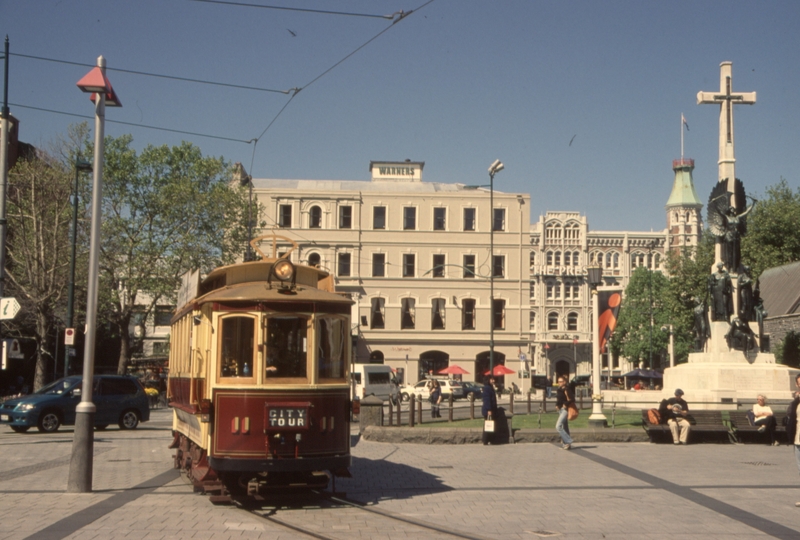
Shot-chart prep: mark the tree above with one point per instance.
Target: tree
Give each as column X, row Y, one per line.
column 788, row 351
column 39, row 217
column 165, row 211
column 688, row 273
column 772, row 226
column 633, row 337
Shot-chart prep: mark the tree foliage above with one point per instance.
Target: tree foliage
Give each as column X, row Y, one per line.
column 39, row 216
column 165, row 211
column 635, row 337
column 788, row 351
column 772, row 226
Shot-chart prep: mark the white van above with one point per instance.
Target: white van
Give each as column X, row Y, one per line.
column 374, row 380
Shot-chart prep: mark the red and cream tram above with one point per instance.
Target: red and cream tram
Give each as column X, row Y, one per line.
column 258, row 378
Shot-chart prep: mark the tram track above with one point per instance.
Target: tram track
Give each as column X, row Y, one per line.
column 270, row 514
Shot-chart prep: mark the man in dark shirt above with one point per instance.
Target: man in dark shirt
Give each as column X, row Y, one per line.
column 489, row 408
column 565, row 395
column 676, row 411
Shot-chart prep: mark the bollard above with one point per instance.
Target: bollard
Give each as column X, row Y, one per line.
column 391, row 417
column 511, row 401
column 613, row 413
column 580, row 401
column 529, row 403
column 399, row 406
column 450, row 412
column 419, row 412
column 472, row 409
column 540, row 417
column 411, row 406
column 371, row 412
column 543, row 406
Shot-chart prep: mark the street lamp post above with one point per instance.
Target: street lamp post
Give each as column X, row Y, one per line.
column 80, row 165
column 597, row 418
column 80, row 466
column 668, row 328
column 495, row 168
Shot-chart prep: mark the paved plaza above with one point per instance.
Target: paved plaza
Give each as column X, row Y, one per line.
column 402, row 491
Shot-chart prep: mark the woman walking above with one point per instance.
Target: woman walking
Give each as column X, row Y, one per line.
column 565, row 396
column 436, row 399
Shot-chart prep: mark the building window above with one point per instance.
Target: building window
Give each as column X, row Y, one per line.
column 408, row 316
column 576, row 258
column 469, row 219
column 469, row 266
column 557, row 290
column 572, row 322
column 437, row 314
column 567, row 291
column 161, row 348
column 163, row 315
column 532, row 321
column 576, row 292
column 377, row 313
column 498, row 314
column 285, row 216
column 567, row 257
column 558, row 258
column 499, row 219
column 550, row 291
column 499, row 266
column 314, row 260
column 438, row 265
column 378, row 265
column 552, row 321
column 379, row 217
column 315, row 218
column 344, row 265
column 409, row 260
column 439, row 219
column 549, row 258
column 345, row 217
column 409, row 218
column 468, row 314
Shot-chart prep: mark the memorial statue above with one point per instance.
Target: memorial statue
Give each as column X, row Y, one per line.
column 744, row 284
column 729, row 222
column 739, row 336
column 702, row 329
column 760, row 313
column 720, row 288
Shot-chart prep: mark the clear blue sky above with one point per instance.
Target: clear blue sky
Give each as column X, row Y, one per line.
column 456, row 84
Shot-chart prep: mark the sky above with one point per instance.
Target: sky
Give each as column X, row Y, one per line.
column 581, row 100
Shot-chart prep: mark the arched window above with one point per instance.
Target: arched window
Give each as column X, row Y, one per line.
column 549, row 258
column 572, row 322
column 576, row 258
column 616, row 260
column 567, row 258
column 552, row 321
column 608, row 260
column 315, row 217
column 558, row 258
column 314, row 260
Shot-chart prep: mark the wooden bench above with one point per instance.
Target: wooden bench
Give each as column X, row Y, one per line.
column 740, row 425
column 708, row 423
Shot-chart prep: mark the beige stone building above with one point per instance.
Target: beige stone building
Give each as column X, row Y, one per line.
column 415, row 256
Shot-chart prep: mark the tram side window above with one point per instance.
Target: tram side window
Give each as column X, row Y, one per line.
column 286, row 346
column 331, row 339
column 237, row 347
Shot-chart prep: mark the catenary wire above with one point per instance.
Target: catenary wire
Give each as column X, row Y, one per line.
column 304, row 10
column 219, row 137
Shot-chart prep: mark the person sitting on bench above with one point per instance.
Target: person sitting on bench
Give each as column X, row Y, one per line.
column 677, row 408
column 764, row 419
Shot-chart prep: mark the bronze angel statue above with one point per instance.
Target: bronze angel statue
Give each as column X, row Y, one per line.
column 729, row 222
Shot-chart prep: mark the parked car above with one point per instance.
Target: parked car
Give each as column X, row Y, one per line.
column 421, row 390
column 472, row 390
column 119, row 400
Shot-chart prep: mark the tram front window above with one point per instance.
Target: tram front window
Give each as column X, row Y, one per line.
column 286, row 343
column 237, row 347
column 331, row 339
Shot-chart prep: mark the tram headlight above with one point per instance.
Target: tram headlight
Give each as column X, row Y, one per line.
column 283, row 270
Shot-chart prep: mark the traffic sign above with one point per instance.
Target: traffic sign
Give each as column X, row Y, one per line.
column 9, row 307
column 69, row 336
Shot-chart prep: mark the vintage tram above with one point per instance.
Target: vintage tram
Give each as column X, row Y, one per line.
column 258, row 378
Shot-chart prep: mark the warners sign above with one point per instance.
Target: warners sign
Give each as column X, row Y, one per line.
column 399, row 171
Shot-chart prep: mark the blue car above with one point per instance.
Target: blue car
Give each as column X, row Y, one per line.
column 119, row 400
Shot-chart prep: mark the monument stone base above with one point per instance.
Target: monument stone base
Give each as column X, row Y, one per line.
column 719, row 377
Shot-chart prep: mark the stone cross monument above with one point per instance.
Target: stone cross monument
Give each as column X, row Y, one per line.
column 726, row 99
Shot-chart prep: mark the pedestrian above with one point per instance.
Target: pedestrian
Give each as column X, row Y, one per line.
column 436, row 399
column 676, row 410
column 489, row 408
column 549, row 387
column 793, row 425
column 565, row 396
column 764, row 418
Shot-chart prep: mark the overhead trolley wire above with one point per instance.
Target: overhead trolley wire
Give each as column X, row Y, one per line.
column 304, row 10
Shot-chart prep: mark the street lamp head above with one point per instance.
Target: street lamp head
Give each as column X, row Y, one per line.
column 595, row 275
column 96, row 82
column 83, row 165
column 496, row 167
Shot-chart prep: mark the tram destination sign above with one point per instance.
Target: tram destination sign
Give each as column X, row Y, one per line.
column 286, row 416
